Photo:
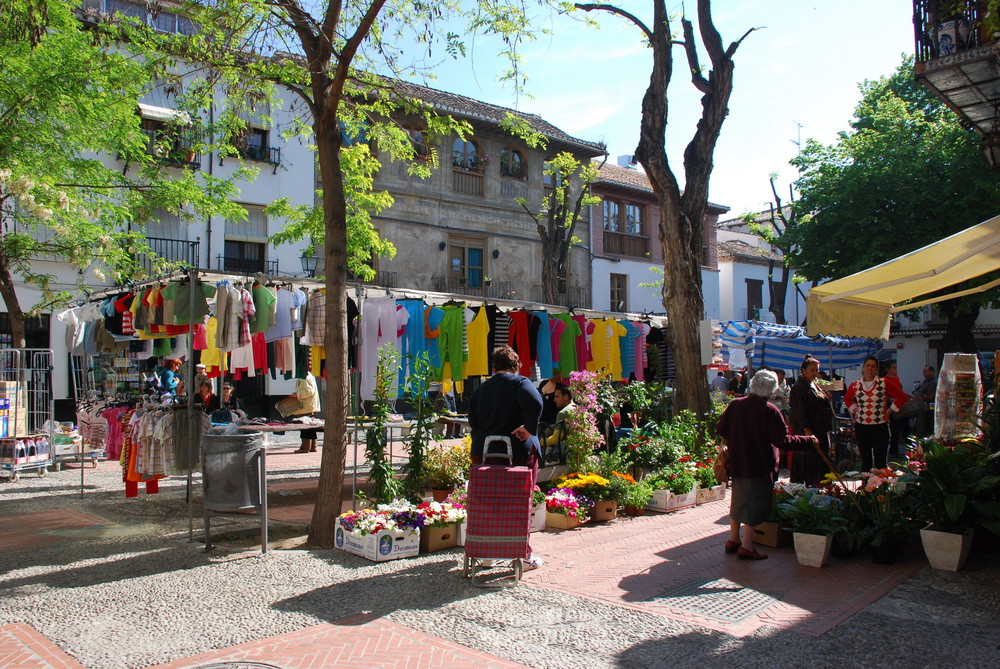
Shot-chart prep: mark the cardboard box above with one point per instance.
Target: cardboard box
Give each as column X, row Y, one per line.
column 771, row 534
column 662, row 500
column 378, row 547
column 560, row 521
column 434, row 539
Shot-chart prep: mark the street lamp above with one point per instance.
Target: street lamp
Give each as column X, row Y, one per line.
column 309, row 264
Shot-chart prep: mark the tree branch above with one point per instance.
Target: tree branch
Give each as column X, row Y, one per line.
column 690, row 48
column 620, row 12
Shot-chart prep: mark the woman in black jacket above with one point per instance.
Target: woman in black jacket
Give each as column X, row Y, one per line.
column 811, row 414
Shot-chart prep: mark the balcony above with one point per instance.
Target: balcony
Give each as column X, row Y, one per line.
column 575, row 296
column 956, row 59
column 262, row 154
column 177, row 251
column 621, row 244
column 466, row 182
column 498, row 290
column 246, row 265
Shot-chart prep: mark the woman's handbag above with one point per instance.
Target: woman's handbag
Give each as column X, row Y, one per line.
column 912, row 407
column 721, row 465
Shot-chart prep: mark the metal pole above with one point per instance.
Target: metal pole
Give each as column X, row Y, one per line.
column 262, row 464
column 192, row 277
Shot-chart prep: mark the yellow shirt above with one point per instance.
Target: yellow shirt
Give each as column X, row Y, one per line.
column 477, row 333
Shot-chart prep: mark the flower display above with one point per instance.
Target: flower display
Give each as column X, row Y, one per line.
column 460, row 496
column 568, row 503
column 397, row 516
column 441, row 514
column 582, row 434
column 591, row 485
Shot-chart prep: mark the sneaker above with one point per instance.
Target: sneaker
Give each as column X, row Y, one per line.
column 534, row 562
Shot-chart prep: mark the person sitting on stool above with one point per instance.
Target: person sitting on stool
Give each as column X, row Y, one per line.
column 553, row 443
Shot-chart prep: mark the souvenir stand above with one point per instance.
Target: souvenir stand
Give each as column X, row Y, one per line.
column 958, row 399
column 26, row 409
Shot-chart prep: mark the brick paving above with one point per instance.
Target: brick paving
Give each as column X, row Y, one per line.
column 359, row 641
column 634, row 562
column 21, row 647
column 35, row 530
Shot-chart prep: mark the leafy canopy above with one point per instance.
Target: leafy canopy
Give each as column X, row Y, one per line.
column 904, row 175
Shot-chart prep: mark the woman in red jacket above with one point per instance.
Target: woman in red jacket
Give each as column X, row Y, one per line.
column 870, row 401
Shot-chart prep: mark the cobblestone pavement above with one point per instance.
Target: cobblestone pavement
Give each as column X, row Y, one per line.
column 102, row 581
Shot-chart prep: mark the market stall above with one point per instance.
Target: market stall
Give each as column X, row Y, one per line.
column 760, row 344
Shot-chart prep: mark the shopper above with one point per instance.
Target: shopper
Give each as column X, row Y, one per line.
column 754, row 430
column 926, row 391
column 506, row 404
column 811, row 414
column 208, row 400
column 307, row 394
column 870, row 400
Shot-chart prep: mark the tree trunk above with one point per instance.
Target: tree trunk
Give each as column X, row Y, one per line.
column 14, row 312
column 958, row 337
column 550, row 274
column 331, row 478
column 778, row 290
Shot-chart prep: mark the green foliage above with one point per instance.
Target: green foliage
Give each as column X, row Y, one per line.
column 948, row 486
column 423, row 421
column 638, row 495
column 385, row 487
column 904, row 175
column 68, row 101
column 813, row 513
column 447, row 467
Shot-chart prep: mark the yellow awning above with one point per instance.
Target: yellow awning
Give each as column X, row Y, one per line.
column 860, row 305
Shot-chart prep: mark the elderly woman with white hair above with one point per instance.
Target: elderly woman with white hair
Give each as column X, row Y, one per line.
column 754, row 430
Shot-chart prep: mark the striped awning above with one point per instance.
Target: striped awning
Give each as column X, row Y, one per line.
column 784, row 346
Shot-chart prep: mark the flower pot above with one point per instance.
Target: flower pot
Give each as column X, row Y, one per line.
column 635, row 510
column 604, row 511
column 460, row 533
column 560, row 521
column 812, row 550
column 537, row 518
column 441, row 494
column 946, row 550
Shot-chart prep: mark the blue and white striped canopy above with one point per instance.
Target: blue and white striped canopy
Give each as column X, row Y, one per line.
column 784, row 346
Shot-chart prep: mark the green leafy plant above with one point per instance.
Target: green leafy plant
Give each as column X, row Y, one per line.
column 637, row 494
column 813, row 513
column 385, row 487
column 422, row 424
column 946, row 485
column 447, row 467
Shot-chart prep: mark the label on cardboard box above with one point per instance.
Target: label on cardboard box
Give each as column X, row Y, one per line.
column 378, row 547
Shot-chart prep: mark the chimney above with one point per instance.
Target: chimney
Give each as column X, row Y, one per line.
column 627, row 161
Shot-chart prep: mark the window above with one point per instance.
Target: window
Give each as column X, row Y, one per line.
column 466, row 261
column 166, row 141
column 612, row 216
column 148, row 13
column 243, row 256
column 253, row 228
column 465, row 155
column 165, row 225
column 512, row 164
column 755, row 298
column 255, row 146
column 419, row 142
column 624, row 232
column 619, row 292
column 633, row 219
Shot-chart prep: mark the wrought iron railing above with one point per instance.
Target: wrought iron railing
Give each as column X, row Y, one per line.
column 499, row 290
column 620, row 244
column 246, row 265
column 262, row 154
column 946, row 27
column 179, row 251
column 573, row 296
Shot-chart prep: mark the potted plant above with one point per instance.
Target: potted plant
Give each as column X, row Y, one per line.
column 772, row 532
column 537, row 510
column 812, row 518
column 881, row 500
column 565, row 509
column 446, row 467
column 949, row 26
column 636, row 497
column 941, row 491
column 595, row 488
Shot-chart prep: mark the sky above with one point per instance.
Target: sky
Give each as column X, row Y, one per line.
column 796, row 77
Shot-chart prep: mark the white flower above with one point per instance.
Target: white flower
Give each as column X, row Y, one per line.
column 98, row 274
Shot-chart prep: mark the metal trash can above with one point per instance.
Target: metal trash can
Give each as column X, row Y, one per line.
column 231, row 471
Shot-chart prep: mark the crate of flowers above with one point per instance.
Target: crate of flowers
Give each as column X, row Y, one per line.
column 566, row 509
column 440, row 529
column 674, row 488
column 388, row 532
